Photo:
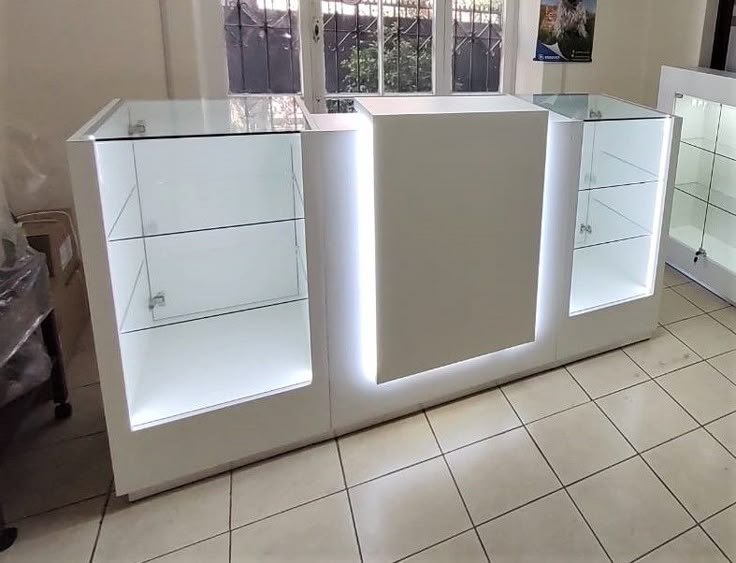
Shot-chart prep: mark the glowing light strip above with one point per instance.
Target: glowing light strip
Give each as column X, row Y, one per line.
column 664, row 164
column 367, row 249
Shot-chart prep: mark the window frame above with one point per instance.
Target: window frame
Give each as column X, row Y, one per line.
column 196, row 66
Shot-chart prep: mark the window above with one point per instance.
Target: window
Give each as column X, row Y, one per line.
column 366, row 47
column 262, row 45
column 477, row 41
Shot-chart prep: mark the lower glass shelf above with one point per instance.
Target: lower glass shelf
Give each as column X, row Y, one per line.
column 609, row 274
column 181, row 370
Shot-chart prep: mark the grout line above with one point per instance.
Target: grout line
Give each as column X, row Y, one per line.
column 55, row 508
column 230, row 523
column 457, row 487
column 653, row 377
column 183, row 547
column 350, row 501
column 661, row 480
column 17, row 450
column 102, row 518
column 280, row 512
column 452, row 537
column 643, row 555
column 567, row 492
column 703, row 358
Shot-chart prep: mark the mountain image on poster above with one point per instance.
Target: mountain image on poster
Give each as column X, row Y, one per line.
column 566, row 29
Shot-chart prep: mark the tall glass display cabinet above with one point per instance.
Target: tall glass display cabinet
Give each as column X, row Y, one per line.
column 624, row 153
column 203, row 233
column 703, row 226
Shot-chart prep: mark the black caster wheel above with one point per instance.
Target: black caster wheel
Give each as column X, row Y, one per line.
column 63, row 410
column 7, row 537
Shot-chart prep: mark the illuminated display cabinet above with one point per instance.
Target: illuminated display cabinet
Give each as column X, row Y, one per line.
column 703, row 226
column 427, row 240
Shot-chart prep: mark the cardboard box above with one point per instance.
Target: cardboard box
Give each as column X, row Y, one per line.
column 71, row 309
column 51, row 232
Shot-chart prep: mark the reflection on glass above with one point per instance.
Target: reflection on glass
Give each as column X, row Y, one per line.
column 727, row 133
column 262, row 46
column 720, row 238
column 592, row 107
column 699, row 121
column 241, row 115
column 687, row 220
column 704, row 204
column 723, row 189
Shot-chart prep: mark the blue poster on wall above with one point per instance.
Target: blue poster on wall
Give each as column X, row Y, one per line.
column 566, row 29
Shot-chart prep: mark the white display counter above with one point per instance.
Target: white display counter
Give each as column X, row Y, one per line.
column 702, row 241
column 440, row 245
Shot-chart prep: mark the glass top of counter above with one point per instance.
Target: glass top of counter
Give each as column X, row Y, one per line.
column 593, row 107
column 155, row 119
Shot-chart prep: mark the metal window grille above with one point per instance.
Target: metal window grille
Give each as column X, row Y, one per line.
column 263, row 46
column 262, row 39
column 477, row 44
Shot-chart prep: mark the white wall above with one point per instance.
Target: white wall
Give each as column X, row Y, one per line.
column 633, row 39
column 69, row 58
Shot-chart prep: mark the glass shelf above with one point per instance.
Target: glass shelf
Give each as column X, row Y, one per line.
column 241, row 115
column 694, row 170
column 699, row 121
column 206, row 244
column 688, row 219
column 621, row 192
column 704, row 204
column 612, row 214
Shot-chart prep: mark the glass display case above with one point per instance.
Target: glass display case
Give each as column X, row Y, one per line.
column 704, row 206
column 621, row 192
column 203, row 211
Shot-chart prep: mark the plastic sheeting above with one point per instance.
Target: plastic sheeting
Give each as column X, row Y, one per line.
column 24, row 303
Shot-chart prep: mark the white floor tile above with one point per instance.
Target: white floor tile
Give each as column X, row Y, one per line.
column 726, row 364
column 675, row 307
column 647, row 415
column 46, row 478
column 580, row 442
column 464, row 548
column 550, row 529
column 629, row 509
column 691, row 547
column 284, row 482
column 698, row 470
column 702, row 390
column 318, row 532
column 468, row 420
column 66, row 534
column 661, row 354
column 673, row 277
column 385, row 448
column 544, row 394
column 721, row 528
column 705, row 335
column 133, row 532
column 40, row 428
column 724, row 429
column 607, row 373
column 213, row 550
column 402, row 513
column 704, row 299
column 500, row 474
column 726, row 317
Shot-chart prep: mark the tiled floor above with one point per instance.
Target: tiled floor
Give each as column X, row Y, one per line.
column 627, row 456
